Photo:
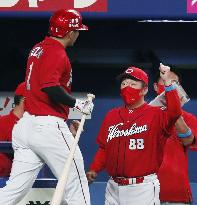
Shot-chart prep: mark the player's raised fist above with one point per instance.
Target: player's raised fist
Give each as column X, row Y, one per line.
column 163, row 68
column 165, row 74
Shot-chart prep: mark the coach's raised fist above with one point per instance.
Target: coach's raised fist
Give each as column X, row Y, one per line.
column 84, row 106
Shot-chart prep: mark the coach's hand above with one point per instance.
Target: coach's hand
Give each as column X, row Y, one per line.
column 84, row 106
column 91, row 176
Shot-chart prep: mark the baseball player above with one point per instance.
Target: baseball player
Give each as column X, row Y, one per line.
column 129, row 141
column 42, row 135
column 7, row 123
column 173, row 173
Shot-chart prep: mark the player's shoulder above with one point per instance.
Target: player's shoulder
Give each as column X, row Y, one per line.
column 4, row 119
column 52, row 46
column 8, row 119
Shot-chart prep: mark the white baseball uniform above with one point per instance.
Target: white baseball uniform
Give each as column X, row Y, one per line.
column 42, row 135
column 145, row 193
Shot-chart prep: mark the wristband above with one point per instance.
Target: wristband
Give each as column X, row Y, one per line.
column 186, row 134
column 169, row 88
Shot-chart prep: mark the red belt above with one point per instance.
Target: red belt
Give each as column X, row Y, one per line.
column 126, row 181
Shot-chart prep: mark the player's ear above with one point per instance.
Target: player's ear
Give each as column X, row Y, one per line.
column 70, row 34
column 155, row 87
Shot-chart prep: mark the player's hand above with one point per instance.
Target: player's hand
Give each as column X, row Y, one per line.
column 91, row 176
column 74, row 125
column 165, row 74
column 84, row 106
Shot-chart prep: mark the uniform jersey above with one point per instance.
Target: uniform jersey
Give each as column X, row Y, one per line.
column 128, row 139
column 173, row 173
column 7, row 123
column 48, row 65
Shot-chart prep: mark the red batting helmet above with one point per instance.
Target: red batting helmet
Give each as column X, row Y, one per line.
column 64, row 21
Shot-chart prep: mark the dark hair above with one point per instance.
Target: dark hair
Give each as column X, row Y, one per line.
column 18, row 99
column 172, row 69
column 124, row 76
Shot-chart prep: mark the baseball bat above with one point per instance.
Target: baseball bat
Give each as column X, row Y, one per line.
column 59, row 191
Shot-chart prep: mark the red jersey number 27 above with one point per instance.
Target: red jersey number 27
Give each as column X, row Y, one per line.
column 29, row 76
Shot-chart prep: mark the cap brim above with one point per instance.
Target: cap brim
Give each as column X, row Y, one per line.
column 122, row 76
column 83, row 28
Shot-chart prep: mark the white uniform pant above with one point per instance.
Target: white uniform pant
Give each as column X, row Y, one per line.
column 146, row 193
column 38, row 140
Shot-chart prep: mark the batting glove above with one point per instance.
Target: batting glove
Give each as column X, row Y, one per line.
column 84, row 106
